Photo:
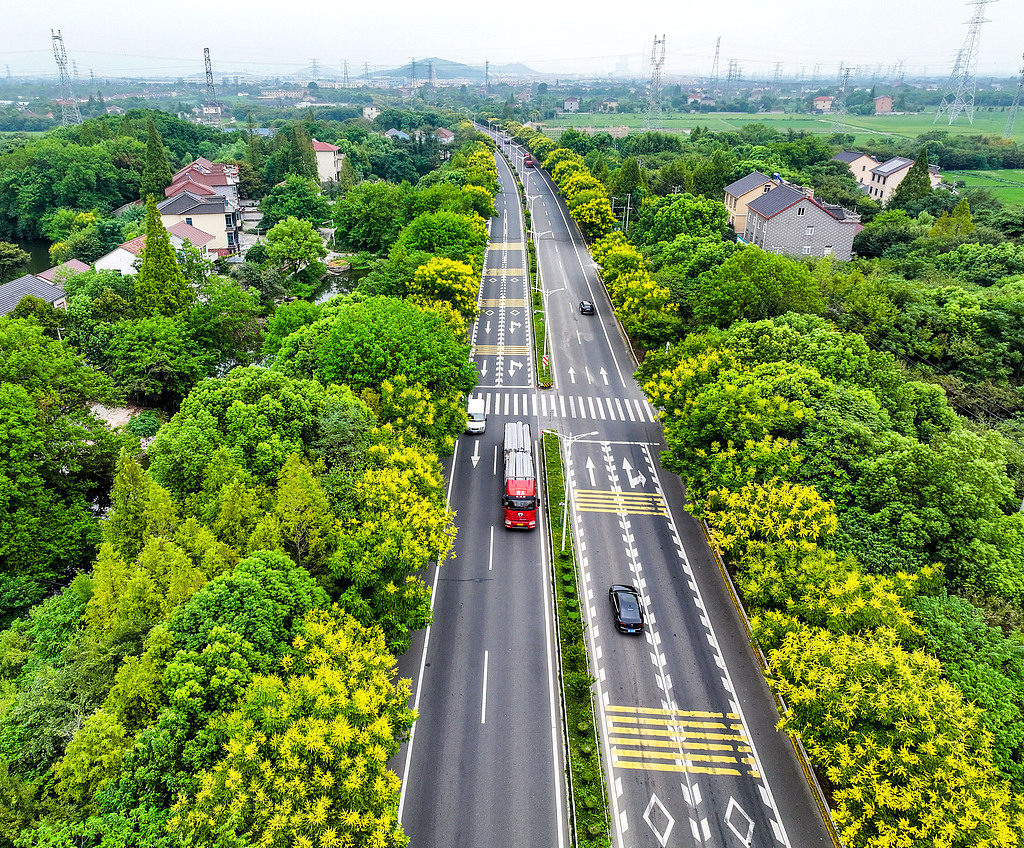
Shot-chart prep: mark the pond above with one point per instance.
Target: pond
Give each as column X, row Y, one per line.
column 38, row 251
column 337, row 284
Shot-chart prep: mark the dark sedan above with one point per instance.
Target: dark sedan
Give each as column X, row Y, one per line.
column 587, row 307
column 627, row 608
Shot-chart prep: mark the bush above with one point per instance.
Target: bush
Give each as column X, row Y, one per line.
column 145, row 424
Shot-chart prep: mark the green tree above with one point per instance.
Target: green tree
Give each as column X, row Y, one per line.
column 155, row 361
column 161, row 288
column 306, row 753
column 915, row 185
column 294, row 245
column 954, row 225
column 371, row 216
column 13, row 261
column 679, row 214
column 297, row 196
column 304, row 515
column 449, row 281
column 754, row 284
column 157, row 174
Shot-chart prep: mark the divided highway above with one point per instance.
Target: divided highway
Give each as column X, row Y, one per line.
column 687, row 722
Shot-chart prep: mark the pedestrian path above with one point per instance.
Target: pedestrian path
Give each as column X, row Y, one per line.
column 548, row 405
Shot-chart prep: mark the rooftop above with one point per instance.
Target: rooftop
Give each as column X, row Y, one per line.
column 11, row 293
column 747, row 183
column 891, row 166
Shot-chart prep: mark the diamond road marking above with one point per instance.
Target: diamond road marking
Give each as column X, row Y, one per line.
column 735, row 811
column 662, row 837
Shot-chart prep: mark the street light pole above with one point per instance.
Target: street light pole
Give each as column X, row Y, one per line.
column 567, row 442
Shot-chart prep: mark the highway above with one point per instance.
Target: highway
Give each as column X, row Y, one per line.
column 687, row 722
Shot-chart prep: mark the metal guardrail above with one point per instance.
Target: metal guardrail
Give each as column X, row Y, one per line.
column 798, row 745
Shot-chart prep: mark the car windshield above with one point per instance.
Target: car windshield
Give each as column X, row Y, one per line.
column 520, row 503
column 476, row 416
column 629, row 609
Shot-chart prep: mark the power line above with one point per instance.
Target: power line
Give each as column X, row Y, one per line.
column 1008, row 132
column 68, row 104
column 959, row 97
column 654, row 95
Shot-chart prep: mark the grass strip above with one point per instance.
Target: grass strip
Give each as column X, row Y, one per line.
column 588, row 799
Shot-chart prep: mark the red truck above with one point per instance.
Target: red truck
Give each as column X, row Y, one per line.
column 520, row 493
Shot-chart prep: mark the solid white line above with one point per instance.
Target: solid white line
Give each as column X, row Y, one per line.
column 494, row 470
column 423, row 656
column 483, row 703
column 490, row 554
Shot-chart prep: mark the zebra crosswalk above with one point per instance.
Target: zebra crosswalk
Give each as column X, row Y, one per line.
column 546, row 405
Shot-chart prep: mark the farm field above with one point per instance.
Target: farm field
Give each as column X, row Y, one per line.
column 1005, row 185
column 863, row 127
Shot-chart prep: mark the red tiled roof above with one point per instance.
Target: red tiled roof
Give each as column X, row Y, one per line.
column 135, row 245
column 324, row 147
column 190, row 183
column 193, row 234
column 72, row 266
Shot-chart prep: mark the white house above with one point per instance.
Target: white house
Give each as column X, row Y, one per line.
column 328, row 161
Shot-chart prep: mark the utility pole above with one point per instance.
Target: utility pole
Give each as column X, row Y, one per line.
column 1008, row 132
column 68, row 104
column 210, row 93
column 959, row 98
column 654, row 95
column 714, row 66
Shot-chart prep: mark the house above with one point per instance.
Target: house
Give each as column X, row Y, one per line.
column 610, row 105
column 886, row 177
column 12, row 293
column 206, row 179
column 790, row 219
column 571, row 104
column 328, row 161
column 63, row 271
column 823, row 103
column 739, row 194
column 370, row 112
column 883, row 105
column 212, row 215
column 693, row 98
column 860, row 165
column 444, row 136
column 397, row 134
column 125, row 257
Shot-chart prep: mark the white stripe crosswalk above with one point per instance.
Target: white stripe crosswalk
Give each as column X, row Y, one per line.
column 545, row 405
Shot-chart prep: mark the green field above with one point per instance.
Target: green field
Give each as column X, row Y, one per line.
column 1006, row 185
column 986, row 122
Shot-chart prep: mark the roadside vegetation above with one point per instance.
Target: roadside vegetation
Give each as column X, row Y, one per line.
column 851, row 432
column 212, row 661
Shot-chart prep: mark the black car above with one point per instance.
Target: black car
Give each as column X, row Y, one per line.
column 587, row 307
column 627, row 608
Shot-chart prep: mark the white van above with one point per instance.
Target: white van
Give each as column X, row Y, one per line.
column 477, row 422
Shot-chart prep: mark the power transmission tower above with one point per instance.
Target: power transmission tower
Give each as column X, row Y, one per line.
column 92, row 79
column 344, row 72
column 654, row 95
column 487, row 75
column 1008, row 132
column 69, row 113
column 314, row 69
column 366, row 74
column 714, row 66
column 959, row 96
column 74, row 71
column 210, row 93
column 839, row 103
column 777, row 73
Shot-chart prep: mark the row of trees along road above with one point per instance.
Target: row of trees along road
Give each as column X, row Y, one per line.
column 213, row 662
column 812, row 411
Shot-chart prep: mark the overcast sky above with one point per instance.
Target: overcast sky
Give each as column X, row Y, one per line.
column 138, row 38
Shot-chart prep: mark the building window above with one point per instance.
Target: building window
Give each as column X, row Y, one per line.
column 188, row 221
column 765, row 189
column 800, row 210
column 229, row 221
column 807, row 250
column 828, row 250
column 810, row 230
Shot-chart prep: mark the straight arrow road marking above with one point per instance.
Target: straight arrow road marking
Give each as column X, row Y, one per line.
column 476, row 453
column 590, row 471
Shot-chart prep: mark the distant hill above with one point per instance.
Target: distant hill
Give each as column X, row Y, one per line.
column 445, row 69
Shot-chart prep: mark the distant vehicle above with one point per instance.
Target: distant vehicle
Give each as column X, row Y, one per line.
column 587, row 307
column 627, row 608
column 476, row 421
column 528, row 162
column 519, row 497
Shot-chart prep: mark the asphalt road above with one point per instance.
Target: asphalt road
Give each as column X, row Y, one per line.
column 687, row 722
column 484, row 766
